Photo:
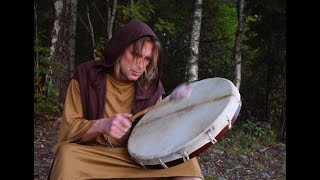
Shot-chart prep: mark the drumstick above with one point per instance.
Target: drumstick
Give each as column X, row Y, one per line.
column 182, row 91
column 140, row 113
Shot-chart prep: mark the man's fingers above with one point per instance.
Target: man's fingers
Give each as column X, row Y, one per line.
column 127, row 115
column 117, row 132
column 181, row 91
column 120, row 125
column 125, row 122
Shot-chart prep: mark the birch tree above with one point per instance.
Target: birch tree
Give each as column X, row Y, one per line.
column 62, row 48
column 192, row 67
column 111, row 17
column 238, row 44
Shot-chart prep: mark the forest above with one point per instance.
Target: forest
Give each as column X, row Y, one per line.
column 262, row 52
column 240, row 40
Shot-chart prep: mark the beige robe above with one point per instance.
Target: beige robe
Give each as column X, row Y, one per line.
column 96, row 159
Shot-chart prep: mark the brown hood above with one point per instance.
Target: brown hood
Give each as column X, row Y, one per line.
column 92, row 79
column 132, row 31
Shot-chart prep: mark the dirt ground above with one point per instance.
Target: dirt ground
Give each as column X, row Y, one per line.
column 266, row 163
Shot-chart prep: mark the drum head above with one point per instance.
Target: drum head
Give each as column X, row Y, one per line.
column 167, row 131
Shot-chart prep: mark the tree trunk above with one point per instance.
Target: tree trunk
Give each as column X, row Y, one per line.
column 74, row 5
column 61, row 50
column 237, row 51
column 270, row 79
column 36, row 60
column 192, row 67
column 131, row 4
column 36, row 35
column 111, row 17
column 269, row 100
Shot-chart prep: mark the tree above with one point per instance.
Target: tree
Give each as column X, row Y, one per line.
column 111, row 17
column 237, row 51
column 192, row 73
column 63, row 43
column 266, row 84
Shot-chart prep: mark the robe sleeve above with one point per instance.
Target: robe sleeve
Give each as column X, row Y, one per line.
column 73, row 125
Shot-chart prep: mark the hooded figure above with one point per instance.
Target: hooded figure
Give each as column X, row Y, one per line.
column 94, row 73
column 94, row 93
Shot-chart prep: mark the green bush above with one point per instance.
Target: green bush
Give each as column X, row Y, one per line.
column 45, row 93
column 247, row 136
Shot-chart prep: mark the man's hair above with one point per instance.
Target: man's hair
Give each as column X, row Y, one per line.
column 151, row 71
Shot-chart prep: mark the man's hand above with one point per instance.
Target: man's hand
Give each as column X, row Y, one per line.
column 115, row 126
column 180, row 92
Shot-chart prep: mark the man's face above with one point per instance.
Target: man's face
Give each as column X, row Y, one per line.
column 131, row 69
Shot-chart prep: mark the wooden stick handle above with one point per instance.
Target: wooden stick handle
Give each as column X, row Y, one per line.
column 140, row 113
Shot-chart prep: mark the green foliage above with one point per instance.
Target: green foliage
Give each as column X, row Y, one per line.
column 218, row 38
column 98, row 49
column 263, row 68
column 248, row 136
column 45, row 93
column 141, row 10
column 45, row 102
column 239, row 141
column 165, row 26
column 42, row 20
column 172, row 25
column 257, row 130
column 225, row 24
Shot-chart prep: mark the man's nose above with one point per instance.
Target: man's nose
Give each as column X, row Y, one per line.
column 140, row 63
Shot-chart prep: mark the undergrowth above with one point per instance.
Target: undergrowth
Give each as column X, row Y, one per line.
column 247, row 136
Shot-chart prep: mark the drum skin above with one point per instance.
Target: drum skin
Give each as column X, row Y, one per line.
column 175, row 131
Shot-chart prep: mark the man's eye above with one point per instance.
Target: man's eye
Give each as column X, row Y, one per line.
column 135, row 54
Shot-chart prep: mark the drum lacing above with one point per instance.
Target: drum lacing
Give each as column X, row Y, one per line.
column 142, row 165
column 163, row 164
column 185, row 156
column 212, row 139
column 230, row 121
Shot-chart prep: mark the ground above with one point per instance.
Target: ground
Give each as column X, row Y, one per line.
column 216, row 163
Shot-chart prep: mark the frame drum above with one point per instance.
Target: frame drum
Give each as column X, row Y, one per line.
column 176, row 131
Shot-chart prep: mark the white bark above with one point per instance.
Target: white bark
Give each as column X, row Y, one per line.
column 194, row 41
column 58, row 5
column 131, row 4
column 111, row 17
column 237, row 52
column 62, row 48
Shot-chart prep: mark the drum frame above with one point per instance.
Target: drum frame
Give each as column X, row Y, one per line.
column 204, row 145
column 208, row 137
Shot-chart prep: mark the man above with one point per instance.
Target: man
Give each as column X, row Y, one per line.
column 101, row 98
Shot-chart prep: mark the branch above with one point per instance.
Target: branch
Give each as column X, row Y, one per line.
column 98, row 13
column 83, row 23
column 91, row 28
